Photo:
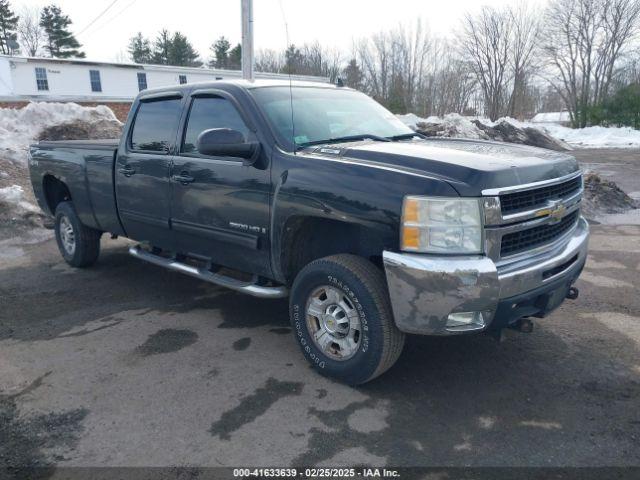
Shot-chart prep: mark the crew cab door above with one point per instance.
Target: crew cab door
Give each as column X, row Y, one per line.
column 143, row 168
column 220, row 205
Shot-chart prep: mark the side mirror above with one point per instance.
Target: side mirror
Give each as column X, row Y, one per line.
column 225, row 142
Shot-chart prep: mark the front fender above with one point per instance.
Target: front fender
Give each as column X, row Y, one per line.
column 359, row 196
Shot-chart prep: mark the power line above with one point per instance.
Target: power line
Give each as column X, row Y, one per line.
column 111, row 19
column 97, row 18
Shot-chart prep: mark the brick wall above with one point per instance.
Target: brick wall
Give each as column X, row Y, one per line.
column 120, row 109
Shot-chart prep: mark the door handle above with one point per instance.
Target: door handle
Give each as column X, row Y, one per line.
column 184, row 178
column 127, row 170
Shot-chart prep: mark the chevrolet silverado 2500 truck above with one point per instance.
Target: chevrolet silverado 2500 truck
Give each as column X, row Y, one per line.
column 317, row 192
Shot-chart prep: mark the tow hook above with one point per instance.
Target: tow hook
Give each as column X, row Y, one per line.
column 573, row 293
column 524, row 325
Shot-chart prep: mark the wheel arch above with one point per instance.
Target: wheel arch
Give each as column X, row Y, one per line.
column 308, row 238
column 55, row 191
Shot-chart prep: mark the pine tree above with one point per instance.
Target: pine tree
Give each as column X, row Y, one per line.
column 220, row 50
column 8, row 26
column 161, row 48
column 294, row 59
column 60, row 42
column 182, row 53
column 352, row 75
column 235, row 58
column 139, row 49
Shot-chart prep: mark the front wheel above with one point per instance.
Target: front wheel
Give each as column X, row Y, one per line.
column 342, row 319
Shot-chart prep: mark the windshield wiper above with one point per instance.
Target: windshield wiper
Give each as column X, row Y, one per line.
column 406, row 136
column 348, row 138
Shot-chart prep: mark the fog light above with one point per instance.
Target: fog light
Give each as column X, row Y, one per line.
column 460, row 320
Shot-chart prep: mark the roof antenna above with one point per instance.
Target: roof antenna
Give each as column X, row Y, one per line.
column 293, row 125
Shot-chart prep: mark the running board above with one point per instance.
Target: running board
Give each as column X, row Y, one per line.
column 208, row 276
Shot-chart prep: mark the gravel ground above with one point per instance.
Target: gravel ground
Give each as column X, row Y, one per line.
column 126, row 364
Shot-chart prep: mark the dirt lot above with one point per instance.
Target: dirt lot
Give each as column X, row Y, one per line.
column 130, row 365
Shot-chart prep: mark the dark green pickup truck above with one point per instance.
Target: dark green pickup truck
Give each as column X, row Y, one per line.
column 316, row 192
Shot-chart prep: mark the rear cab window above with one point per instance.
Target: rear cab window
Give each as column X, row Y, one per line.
column 155, row 125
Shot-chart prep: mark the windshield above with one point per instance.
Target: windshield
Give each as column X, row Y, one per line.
column 325, row 114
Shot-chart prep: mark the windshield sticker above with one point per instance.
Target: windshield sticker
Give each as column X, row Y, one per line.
column 301, row 139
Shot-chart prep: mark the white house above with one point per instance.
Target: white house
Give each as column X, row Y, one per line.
column 561, row 118
column 57, row 79
column 24, row 79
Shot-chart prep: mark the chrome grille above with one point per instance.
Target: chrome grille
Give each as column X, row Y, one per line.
column 523, row 240
column 528, row 199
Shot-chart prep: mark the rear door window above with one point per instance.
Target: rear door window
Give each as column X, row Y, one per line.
column 155, row 125
column 207, row 113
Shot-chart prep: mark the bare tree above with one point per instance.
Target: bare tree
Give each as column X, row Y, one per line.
column 310, row 59
column 394, row 66
column 621, row 19
column 485, row 41
column 584, row 41
column 373, row 55
column 629, row 72
column 30, row 33
column 269, row 61
column 455, row 85
column 525, row 35
column 448, row 84
column 317, row 60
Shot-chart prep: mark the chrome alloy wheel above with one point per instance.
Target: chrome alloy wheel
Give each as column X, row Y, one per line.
column 67, row 236
column 334, row 323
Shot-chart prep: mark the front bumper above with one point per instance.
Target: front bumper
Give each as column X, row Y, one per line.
column 426, row 289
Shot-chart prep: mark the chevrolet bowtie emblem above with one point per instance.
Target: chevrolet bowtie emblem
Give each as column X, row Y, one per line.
column 555, row 213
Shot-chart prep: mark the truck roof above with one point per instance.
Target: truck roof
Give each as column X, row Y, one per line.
column 246, row 84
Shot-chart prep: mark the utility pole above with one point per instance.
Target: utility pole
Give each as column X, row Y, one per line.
column 247, row 39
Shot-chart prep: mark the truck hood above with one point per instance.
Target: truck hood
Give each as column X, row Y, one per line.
column 469, row 166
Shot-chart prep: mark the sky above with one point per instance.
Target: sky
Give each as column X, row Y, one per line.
column 333, row 23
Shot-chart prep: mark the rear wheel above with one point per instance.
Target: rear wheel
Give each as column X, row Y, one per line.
column 78, row 244
column 342, row 319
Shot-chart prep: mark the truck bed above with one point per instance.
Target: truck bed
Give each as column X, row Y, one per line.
column 86, row 168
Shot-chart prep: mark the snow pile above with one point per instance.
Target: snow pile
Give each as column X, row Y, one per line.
column 412, row 120
column 81, row 130
column 549, row 135
column 602, row 196
column 505, row 129
column 597, row 137
column 20, row 222
column 39, row 121
column 451, row 125
column 12, row 199
column 21, row 127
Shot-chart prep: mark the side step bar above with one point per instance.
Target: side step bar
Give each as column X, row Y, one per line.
column 208, row 276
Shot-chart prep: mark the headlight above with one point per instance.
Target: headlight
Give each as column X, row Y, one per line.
column 441, row 225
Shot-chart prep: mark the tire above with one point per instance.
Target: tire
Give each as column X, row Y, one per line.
column 362, row 292
column 79, row 245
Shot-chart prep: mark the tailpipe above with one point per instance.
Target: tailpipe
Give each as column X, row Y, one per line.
column 572, row 293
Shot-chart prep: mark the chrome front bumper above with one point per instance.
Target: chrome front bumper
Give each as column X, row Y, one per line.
column 426, row 289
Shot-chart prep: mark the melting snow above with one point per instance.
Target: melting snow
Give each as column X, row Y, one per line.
column 590, row 137
column 597, row 137
column 20, row 127
column 14, row 195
